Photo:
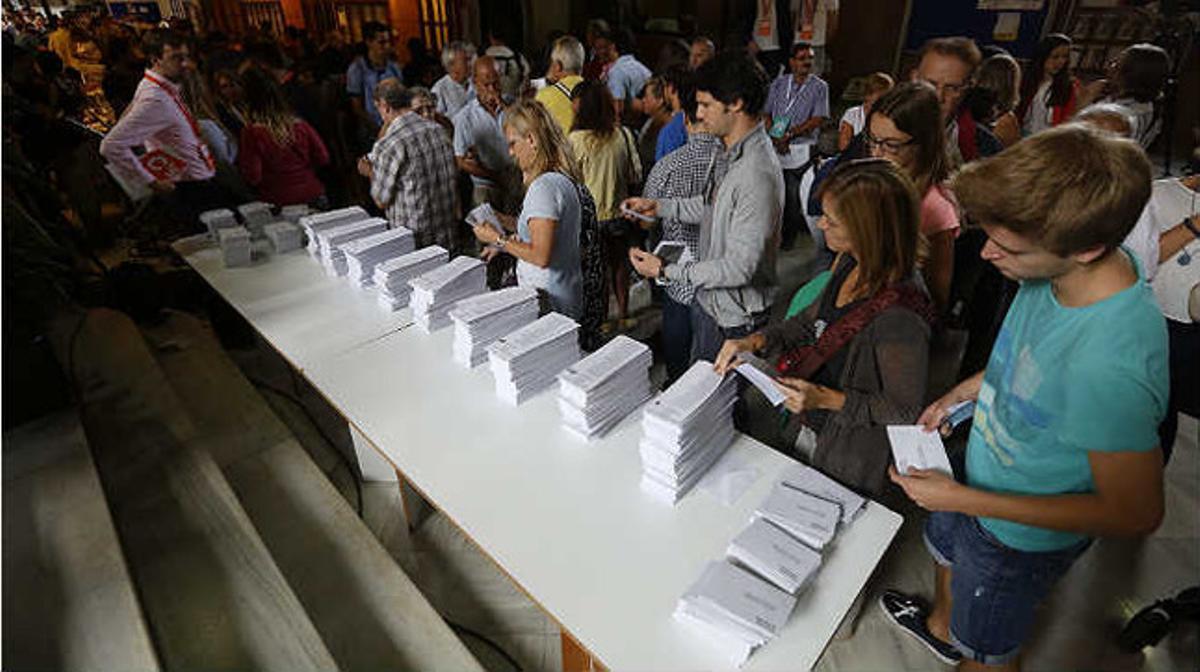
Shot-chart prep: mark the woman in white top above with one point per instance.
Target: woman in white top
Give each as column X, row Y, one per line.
column 855, row 119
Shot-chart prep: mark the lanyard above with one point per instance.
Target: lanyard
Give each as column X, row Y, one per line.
column 201, row 148
column 787, row 108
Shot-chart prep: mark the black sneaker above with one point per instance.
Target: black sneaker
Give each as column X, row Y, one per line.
column 909, row 614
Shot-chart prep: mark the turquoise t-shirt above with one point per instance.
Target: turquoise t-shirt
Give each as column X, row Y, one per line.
column 1062, row 382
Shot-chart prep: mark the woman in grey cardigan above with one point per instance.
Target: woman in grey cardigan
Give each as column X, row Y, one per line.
column 854, row 361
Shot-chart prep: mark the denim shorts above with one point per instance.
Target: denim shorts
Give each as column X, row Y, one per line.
column 995, row 589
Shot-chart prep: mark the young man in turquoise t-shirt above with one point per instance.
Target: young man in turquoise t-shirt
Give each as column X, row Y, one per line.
column 1064, row 444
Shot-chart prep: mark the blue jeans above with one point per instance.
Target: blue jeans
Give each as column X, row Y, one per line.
column 995, row 589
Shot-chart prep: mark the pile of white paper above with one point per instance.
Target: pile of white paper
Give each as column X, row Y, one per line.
column 436, row 292
column 527, row 361
column 733, row 610
column 480, row 320
column 604, row 387
column 803, row 515
column 317, row 222
column 284, row 236
column 255, row 215
column 218, row 219
column 331, row 240
column 235, row 245
column 775, row 555
column 293, row 213
column 364, row 254
column 686, row 429
column 806, row 479
column 392, row 276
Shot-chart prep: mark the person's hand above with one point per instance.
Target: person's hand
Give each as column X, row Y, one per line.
column 782, row 145
column 486, row 233
column 364, row 167
column 489, row 253
column 931, row 490
column 643, row 206
column 936, row 413
column 647, row 265
column 162, row 186
column 799, row 393
column 727, row 358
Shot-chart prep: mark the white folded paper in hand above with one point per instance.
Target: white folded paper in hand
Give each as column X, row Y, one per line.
column 774, row 555
column 915, row 448
column 807, row 517
column 757, row 372
column 733, row 610
column 484, row 214
column 671, row 252
column 636, row 215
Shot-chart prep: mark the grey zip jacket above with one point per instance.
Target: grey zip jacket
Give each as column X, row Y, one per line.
column 739, row 220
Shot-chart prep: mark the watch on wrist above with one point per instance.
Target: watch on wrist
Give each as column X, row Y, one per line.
column 662, row 271
column 1187, row 221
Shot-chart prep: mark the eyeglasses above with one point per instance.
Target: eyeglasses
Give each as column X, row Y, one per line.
column 886, row 144
column 944, row 88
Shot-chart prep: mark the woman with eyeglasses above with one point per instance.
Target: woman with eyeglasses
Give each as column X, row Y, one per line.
column 1049, row 92
column 905, row 127
column 855, row 360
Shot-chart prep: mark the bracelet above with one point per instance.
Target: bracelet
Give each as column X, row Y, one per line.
column 501, row 242
column 1187, row 221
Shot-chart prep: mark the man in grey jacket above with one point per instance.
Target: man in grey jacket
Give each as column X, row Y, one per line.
column 739, row 216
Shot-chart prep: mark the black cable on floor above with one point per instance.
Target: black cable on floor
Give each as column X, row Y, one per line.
column 491, row 645
column 317, row 426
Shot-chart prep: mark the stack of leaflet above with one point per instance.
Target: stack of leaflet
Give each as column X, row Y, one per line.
column 526, row 361
column 284, row 236
column 686, row 430
column 235, row 245
column 806, row 479
column 480, row 320
column 293, row 213
column 392, row 276
column 775, row 555
column 735, row 611
column 317, row 222
column 331, row 240
column 803, row 515
column 436, row 292
column 218, row 219
column 604, row 387
column 256, row 215
column 364, row 254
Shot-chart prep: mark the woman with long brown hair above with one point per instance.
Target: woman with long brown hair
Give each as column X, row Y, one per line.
column 1049, row 93
column 855, row 360
column 279, row 153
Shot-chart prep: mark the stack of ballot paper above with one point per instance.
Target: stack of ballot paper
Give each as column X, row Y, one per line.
column 235, row 245
column 805, row 516
column 604, row 387
column 436, row 292
column 806, row 479
column 284, row 236
column 293, row 213
column 218, row 219
column 317, row 222
column 734, row 611
column 480, row 320
column 256, row 215
column 526, row 361
column 775, row 555
column 364, row 254
column 686, row 429
column 392, row 276
column 331, row 241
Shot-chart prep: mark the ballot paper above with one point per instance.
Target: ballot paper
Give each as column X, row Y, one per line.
column 596, row 393
column 759, row 374
column 317, row 222
column 529, row 359
column 915, row 448
column 331, row 240
column 255, row 215
column 775, row 555
column 235, row 245
column 685, row 430
column 671, row 252
column 284, row 236
column 293, row 213
column 482, row 319
column 484, row 214
column 807, row 517
column 363, row 254
column 733, row 610
column 435, row 292
column 222, row 218
column 392, row 276
column 806, row 479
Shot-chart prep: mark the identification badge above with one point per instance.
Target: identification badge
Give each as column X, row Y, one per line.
column 779, row 126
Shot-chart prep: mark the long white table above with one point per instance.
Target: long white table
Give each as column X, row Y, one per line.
column 565, row 519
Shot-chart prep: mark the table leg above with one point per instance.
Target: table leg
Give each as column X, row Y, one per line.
column 575, row 658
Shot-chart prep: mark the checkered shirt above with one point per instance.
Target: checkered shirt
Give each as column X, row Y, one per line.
column 414, row 179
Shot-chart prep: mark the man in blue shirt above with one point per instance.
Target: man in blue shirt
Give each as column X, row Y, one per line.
column 365, row 73
column 626, row 76
column 677, row 85
column 1064, row 443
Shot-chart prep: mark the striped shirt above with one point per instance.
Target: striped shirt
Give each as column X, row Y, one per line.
column 414, row 179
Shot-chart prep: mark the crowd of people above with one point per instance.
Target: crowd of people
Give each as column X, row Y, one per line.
column 1012, row 205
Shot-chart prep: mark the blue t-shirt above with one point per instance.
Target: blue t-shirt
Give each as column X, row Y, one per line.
column 626, row 77
column 362, row 78
column 553, row 196
column 671, row 137
column 1063, row 382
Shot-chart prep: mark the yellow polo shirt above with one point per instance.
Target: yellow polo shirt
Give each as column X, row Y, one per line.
column 558, row 102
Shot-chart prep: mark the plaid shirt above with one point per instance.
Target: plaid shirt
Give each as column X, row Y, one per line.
column 414, row 179
column 690, row 170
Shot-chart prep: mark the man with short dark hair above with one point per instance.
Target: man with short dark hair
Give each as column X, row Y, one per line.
column 677, row 84
column 734, row 275
column 365, row 73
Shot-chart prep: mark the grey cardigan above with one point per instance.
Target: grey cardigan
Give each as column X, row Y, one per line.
column 735, row 275
column 884, row 382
